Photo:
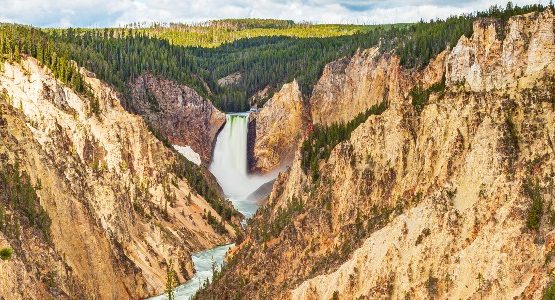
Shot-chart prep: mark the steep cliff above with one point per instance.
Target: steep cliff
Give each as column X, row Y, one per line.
column 277, row 128
column 93, row 204
column 349, row 86
column 177, row 112
column 447, row 193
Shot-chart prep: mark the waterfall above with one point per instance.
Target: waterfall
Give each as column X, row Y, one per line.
column 234, row 143
column 229, row 164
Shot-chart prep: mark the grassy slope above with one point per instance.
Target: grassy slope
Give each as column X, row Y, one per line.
column 216, row 33
column 210, row 37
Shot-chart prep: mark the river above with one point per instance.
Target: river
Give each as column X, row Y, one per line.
column 229, row 166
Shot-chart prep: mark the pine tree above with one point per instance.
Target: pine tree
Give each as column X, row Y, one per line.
column 171, row 281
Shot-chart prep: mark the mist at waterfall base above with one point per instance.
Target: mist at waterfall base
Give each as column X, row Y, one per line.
column 229, row 166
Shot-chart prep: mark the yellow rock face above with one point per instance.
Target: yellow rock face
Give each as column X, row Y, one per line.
column 278, row 128
column 118, row 210
column 420, row 205
column 467, row 238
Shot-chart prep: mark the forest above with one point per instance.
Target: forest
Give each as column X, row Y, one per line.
column 118, row 56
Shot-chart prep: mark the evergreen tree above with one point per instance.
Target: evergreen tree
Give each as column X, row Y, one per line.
column 171, row 281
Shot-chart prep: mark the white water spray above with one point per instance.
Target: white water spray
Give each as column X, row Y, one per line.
column 229, row 164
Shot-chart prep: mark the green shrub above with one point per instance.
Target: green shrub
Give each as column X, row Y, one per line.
column 284, row 216
column 549, row 292
column 50, row 279
column 426, row 232
column 535, row 212
column 513, row 133
column 219, row 226
column 152, row 102
column 4, row 95
column 432, row 285
column 420, row 96
column 6, row 253
column 171, row 281
column 95, row 105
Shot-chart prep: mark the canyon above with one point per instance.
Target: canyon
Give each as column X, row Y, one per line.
column 383, row 181
column 422, row 200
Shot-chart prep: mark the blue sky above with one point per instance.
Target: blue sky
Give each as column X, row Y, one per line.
column 101, row 13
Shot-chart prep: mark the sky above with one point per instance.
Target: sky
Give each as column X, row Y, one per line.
column 106, row 13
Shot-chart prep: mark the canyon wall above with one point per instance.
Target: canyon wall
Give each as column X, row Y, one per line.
column 452, row 199
column 178, row 112
column 114, row 205
column 276, row 129
column 350, row 86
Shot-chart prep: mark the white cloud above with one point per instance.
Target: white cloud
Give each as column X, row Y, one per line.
column 64, row 13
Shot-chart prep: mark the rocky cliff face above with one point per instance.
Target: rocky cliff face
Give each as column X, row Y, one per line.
column 277, row 128
column 450, row 200
column 350, row 86
column 177, row 112
column 484, row 63
column 116, row 202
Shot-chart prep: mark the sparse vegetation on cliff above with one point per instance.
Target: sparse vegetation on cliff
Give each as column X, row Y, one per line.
column 17, row 40
column 18, row 194
column 421, row 96
column 322, row 140
column 532, row 190
column 187, row 170
column 549, row 292
column 218, row 226
column 283, row 217
column 171, row 281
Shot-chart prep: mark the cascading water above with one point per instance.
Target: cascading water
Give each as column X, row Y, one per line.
column 229, row 162
column 229, row 166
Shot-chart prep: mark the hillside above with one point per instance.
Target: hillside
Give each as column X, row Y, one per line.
column 263, row 63
column 232, row 77
column 216, row 33
column 438, row 183
column 92, row 203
